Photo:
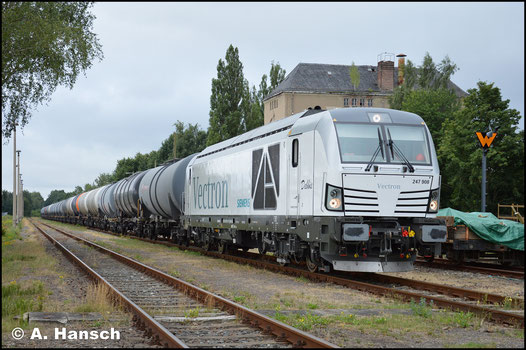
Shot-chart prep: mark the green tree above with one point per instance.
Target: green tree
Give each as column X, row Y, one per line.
column 103, row 179
column 55, row 196
column 190, row 139
column 277, row 75
column 229, row 94
column 354, row 75
column 428, row 76
column 434, row 106
column 44, row 44
column 266, row 86
column 461, row 153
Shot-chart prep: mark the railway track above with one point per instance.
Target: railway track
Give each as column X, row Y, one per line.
column 488, row 269
column 174, row 312
column 456, row 299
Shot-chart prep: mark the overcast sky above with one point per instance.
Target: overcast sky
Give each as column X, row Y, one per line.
column 160, row 59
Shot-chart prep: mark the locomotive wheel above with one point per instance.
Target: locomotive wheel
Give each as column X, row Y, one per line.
column 311, row 265
column 429, row 259
column 245, row 249
column 207, row 245
column 221, row 247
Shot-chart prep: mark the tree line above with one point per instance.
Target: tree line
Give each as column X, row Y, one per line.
column 33, row 202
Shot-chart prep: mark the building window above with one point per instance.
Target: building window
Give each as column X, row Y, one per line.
column 354, row 102
column 370, row 102
column 362, row 102
column 273, row 104
column 346, row 102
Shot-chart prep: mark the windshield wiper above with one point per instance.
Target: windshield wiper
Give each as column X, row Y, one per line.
column 378, row 149
column 399, row 153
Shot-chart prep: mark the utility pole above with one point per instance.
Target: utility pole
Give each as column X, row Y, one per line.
column 14, row 176
column 18, row 188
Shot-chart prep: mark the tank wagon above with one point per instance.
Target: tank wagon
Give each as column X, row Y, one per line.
column 354, row 189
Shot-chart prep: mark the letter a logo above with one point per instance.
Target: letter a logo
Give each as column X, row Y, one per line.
column 484, row 140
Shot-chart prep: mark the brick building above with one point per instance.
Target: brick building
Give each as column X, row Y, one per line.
column 326, row 86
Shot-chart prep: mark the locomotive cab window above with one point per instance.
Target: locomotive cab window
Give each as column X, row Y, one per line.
column 412, row 141
column 295, row 152
column 358, row 142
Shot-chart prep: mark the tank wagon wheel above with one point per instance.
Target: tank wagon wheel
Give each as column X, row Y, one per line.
column 262, row 250
column 207, row 246
column 283, row 263
column 312, row 265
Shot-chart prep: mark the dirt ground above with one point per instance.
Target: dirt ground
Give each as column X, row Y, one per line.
column 361, row 319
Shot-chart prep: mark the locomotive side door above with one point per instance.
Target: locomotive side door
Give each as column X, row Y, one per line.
column 293, row 173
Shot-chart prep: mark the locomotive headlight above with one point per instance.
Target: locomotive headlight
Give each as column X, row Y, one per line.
column 334, row 198
column 433, row 200
column 335, row 203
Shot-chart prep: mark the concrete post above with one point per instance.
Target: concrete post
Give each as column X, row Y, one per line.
column 18, row 215
column 14, row 176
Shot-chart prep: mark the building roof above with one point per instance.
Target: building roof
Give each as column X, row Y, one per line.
column 334, row 78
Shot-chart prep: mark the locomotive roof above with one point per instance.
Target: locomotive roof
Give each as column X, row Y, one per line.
column 361, row 115
column 338, row 114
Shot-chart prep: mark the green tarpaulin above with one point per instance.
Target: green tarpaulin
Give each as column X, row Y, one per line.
column 489, row 227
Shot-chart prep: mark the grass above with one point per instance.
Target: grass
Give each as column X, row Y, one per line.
column 21, row 257
column 303, row 322
column 471, row 345
column 10, row 233
column 17, row 300
column 96, row 300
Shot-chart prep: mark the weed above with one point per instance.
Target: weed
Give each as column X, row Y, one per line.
column 192, row 313
column 302, row 279
column 239, row 299
column 422, row 309
column 463, row 319
column 507, row 303
column 312, row 306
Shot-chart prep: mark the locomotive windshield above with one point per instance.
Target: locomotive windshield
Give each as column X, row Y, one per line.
column 359, row 142
column 412, row 141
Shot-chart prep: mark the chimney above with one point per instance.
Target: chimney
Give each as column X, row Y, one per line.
column 386, row 71
column 401, row 67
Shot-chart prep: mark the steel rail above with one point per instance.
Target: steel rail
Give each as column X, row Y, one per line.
column 447, row 290
column 165, row 336
column 495, row 315
column 283, row 331
column 445, row 264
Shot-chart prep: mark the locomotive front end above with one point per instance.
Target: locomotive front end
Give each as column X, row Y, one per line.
column 382, row 190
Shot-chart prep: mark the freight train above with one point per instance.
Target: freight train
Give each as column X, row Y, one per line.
column 349, row 189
